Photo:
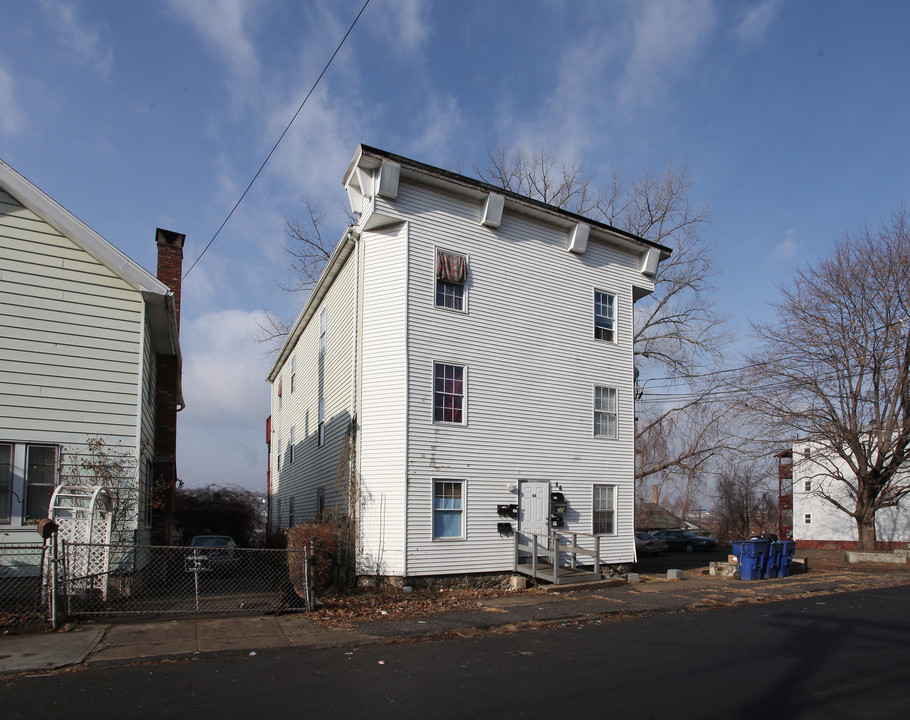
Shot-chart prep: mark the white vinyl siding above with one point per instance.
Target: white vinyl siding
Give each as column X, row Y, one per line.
column 530, row 384
column 383, row 413
column 71, row 343
column 322, row 388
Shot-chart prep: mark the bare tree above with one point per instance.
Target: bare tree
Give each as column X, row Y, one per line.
column 833, row 370
column 308, row 252
column 745, row 503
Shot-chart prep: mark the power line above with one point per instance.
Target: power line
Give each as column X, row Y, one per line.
column 281, row 137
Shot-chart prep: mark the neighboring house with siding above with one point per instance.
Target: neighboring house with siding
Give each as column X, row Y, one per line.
column 88, row 348
column 817, row 523
column 465, row 348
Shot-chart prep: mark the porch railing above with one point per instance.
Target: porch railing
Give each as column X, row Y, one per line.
column 560, row 553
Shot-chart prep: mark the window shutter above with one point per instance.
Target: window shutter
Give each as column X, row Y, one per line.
column 450, row 267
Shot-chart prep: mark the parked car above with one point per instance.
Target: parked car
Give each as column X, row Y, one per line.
column 211, row 552
column 646, row 543
column 686, row 540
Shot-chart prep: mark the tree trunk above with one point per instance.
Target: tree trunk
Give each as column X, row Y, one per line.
column 865, row 524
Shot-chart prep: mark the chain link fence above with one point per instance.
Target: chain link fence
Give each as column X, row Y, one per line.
column 44, row 583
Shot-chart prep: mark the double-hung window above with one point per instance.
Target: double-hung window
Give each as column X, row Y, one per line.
column 604, row 316
column 40, row 480
column 293, row 372
column 604, row 509
column 605, row 421
column 291, row 444
column 448, row 509
column 448, row 393
column 451, row 273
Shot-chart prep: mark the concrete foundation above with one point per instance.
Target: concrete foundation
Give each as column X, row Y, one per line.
column 723, row 569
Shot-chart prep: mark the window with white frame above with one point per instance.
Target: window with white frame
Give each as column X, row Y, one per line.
column 448, row 393
column 322, row 331
column 320, row 432
column 6, row 483
column 448, row 509
column 605, row 418
column 279, row 454
column 604, row 509
column 291, row 444
column 604, row 316
column 807, row 518
column 40, row 480
column 293, row 372
column 808, row 486
column 451, row 274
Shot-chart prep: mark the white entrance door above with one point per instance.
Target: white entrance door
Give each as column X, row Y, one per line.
column 534, row 510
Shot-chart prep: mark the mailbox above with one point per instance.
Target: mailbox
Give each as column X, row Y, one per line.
column 558, row 504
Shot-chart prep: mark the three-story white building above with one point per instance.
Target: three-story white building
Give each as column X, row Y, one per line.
column 466, row 348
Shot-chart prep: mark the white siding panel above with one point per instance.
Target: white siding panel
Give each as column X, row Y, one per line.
column 383, row 412
column 70, row 339
column 527, row 341
column 313, row 466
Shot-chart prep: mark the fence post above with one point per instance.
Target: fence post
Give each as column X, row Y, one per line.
column 53, row 597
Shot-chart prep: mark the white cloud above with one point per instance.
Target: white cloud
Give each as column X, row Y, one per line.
column 786, row 249
column 223, row 373
column 667, row 36
column 755, row 23
column 224, row 24
column 12, row 118
column 402, row 23
column 227, row 401
column 440, row 120
column 85, row 42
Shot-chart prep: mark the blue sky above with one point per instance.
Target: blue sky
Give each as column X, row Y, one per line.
column 792, row 118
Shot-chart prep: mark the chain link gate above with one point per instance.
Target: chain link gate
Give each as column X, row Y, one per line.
column 149, row 581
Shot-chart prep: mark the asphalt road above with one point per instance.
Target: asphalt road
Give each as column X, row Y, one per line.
column 832, row 656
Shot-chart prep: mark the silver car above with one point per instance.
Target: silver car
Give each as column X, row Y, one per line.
column 645, row 543
column 211, row 552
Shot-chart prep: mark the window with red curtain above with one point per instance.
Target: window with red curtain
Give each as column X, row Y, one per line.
column 448, row 393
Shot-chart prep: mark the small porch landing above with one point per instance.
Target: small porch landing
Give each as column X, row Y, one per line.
column 553, row 558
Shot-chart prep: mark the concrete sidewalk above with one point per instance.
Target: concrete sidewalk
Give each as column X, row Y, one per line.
column 92, row 645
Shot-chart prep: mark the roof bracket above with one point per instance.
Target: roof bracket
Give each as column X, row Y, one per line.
column 578, row 238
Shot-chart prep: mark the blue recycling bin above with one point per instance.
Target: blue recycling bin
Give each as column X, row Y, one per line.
column 751, row 554
column 788, row 547
column 771, row 568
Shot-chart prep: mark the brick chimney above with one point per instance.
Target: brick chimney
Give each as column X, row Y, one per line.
column 170, row 262
column 167, row 396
